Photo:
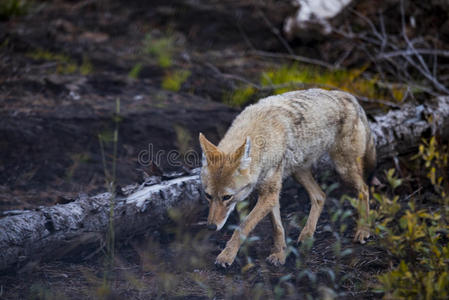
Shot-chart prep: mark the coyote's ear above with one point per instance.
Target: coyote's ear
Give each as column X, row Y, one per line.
column 210, row 151
column 242, row 154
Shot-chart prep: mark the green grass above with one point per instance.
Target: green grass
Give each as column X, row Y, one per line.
column 240, row 96
column 41, row 54
column 135, row 71
column 161, row 48
column 292, row 77
column 65, row 64
column 86, row 67
column 173, row 80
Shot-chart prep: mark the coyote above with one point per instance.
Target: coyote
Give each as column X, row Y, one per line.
column 279, row 136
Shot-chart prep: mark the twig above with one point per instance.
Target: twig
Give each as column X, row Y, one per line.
column 377, row 101
column 299, row 58
column 413, row 194
column 424, row 70
column 275, row 31
column 384, row 33
column 245, row 36
column 232, row 76
column 343, row 57
column 411, row 57
column 436, row 52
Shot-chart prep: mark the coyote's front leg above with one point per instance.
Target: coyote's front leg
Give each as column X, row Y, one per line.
column 268, row 199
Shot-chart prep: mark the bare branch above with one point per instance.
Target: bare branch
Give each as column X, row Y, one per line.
column 275, row 31
column 434, row 52
column 299, row 58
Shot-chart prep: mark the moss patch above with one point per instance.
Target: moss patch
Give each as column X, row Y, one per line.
column 240, row 97
column 291, row 77
column 65, row 64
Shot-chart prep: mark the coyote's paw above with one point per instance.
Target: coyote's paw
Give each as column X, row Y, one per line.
column 277, row 258
column 226, row 258
column 360, row 235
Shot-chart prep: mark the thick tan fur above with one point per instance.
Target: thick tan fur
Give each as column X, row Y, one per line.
column 280, row 136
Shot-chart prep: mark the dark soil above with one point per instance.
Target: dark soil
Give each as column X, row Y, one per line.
column 51, row 119
column 176, row 261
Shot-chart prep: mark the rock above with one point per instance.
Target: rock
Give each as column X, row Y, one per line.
column 313, row 15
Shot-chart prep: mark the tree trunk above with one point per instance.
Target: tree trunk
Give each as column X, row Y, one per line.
column 51, row 232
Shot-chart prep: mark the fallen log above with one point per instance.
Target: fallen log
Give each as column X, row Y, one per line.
column 27, row 236
column 399, row 130
column 53, row 231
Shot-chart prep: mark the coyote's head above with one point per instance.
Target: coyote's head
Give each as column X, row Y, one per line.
column 225, row 178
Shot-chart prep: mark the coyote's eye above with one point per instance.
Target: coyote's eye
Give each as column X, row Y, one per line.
column 226, row 197
column 208, row 196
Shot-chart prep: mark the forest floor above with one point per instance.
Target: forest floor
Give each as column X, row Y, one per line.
column 64, row 66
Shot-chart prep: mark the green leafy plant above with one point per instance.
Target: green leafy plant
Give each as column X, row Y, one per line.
column 436, row 161
column 416, row 240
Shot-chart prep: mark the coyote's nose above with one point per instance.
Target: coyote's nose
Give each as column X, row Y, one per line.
column 212, row 227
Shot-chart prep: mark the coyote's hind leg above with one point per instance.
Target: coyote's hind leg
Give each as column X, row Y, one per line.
column 351, row 171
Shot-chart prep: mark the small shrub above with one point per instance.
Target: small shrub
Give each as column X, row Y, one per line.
column 135, row 71
column 174, row 80
column 160, row 48
column 435, row 158
column 65, row 64
column 416, row 239
column 86, row 67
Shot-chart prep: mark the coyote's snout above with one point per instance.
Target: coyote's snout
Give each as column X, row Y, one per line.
column 290, row 132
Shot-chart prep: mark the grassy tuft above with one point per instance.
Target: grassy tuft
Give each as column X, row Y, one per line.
column 135, row 71
column 240, row 96
column 291, row 77
column 174, row 80
column 65, row 64
column 160, row 48
column 86, row 67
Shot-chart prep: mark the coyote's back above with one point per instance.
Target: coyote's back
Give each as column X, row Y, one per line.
column 298, row 127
